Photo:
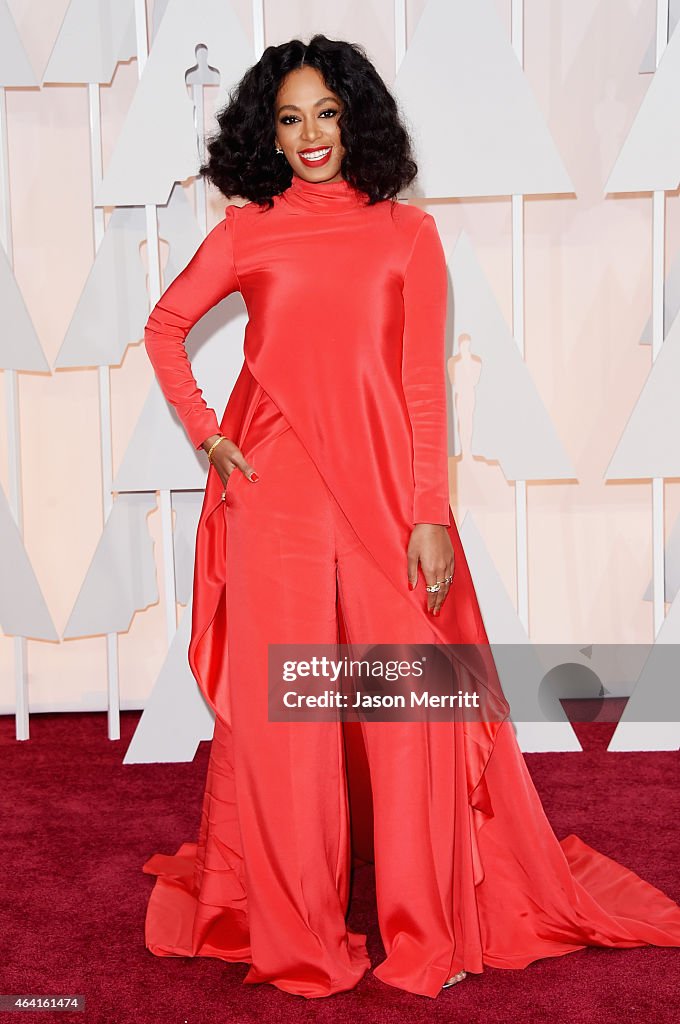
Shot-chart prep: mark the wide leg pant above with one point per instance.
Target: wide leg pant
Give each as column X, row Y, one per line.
column 291, row 556
column 268, row 880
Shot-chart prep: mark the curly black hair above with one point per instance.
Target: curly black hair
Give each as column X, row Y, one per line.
column 378, row 158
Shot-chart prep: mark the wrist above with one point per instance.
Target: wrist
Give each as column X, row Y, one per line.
column 209, row 442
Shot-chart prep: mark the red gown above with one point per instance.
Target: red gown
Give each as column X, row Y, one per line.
column 346, row 336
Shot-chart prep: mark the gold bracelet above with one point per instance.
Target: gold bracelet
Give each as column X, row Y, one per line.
column 214, row 446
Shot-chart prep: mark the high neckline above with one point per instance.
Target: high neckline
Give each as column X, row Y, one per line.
column 323, row 196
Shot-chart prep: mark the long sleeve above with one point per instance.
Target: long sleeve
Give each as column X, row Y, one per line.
column 424, row 372
column 205, row 281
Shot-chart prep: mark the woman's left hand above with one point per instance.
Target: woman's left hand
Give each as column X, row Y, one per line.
column 431, row 546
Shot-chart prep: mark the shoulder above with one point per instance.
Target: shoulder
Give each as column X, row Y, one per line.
column 413, row 230
column 410, row 216
column 244, row 216
column 233, row 210
column 409, row 220
column 235, row 214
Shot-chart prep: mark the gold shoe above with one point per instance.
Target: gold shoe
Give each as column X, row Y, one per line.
column 455, row 979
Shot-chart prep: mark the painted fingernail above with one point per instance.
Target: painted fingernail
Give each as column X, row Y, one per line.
column 254, row 477
column 411, row 586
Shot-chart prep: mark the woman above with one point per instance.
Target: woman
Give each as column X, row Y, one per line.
column 326, row 515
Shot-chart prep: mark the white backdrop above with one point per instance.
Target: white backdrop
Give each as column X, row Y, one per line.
column 549, row 154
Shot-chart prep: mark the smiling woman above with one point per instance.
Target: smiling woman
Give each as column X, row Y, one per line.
column 347, row 531
column 301, row 97
column 308, row 132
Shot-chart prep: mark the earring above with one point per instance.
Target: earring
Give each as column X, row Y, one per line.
column 278, row 151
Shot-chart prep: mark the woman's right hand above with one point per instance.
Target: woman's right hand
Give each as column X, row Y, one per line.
column 228, row 458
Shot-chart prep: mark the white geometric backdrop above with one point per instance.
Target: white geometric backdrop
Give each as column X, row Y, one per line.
column 492, row 171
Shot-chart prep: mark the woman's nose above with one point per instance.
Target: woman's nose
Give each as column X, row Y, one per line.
column 310, row 132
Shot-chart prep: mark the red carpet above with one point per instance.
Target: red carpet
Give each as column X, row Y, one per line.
column 78, row 825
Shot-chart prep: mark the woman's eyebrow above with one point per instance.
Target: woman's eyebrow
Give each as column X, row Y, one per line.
column 291, row 106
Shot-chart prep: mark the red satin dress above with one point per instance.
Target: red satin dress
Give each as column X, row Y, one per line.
column 340, row 406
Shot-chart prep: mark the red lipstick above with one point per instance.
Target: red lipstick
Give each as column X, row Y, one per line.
column 315, row 163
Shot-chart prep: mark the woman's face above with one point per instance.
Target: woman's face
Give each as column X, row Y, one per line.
column 306, row 121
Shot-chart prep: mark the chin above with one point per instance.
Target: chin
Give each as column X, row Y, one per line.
column 323, row 172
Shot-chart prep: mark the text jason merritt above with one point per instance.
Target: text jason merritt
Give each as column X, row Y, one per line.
column 337, row 699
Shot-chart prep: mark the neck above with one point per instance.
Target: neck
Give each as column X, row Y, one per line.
column 323, row 196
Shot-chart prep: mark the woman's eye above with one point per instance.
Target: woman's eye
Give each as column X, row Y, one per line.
column 290, row 118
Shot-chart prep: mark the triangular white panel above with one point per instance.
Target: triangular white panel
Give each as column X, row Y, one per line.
column 505, row 631
column 157, row 144
column 672, row 567
column 160, row 456
column 15, row 67
column 114, row 304
column 121, row 578
column 178, row 228
column 650, row 155
column 648, row 446
column 94, row 36
column 671, row 302
column 157, row 15
column 648, row 62
column 651, row 718
column 23, row 611
column 477, row 128
column 176, row 718
column 510, row 422
column 20, row 347
column 187, row 508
